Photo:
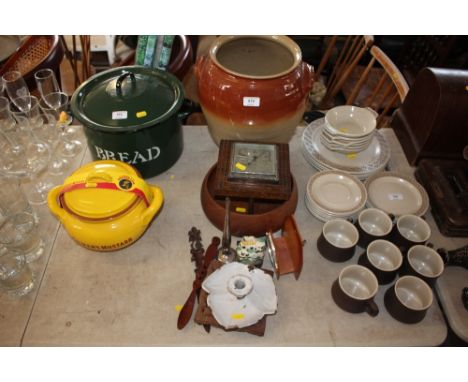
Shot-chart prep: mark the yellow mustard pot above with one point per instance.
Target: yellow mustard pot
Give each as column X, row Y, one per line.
column 105, row 205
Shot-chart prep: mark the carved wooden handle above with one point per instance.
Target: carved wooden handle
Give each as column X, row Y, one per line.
column 186, row 312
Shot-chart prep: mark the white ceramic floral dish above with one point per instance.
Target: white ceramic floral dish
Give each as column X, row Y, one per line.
column 239, row 297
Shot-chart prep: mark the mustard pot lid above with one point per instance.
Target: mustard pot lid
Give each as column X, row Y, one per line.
column 104, row 189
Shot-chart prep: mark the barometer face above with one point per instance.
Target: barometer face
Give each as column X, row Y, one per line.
column 254, row 161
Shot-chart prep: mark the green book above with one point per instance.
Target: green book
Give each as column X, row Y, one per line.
column 150, row 50
column 165, row 55
column 141, row 49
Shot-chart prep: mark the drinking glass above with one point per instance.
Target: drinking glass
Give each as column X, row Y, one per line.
column 37, row 150
column 20, row 155
column 29, row 119
column 36, row 156
column 35, row 122
column 19, row 234
column 17, row 89
column 13, row 199
column 8, row 125
column 46, row 84
column 58, row 114
column 16, row 277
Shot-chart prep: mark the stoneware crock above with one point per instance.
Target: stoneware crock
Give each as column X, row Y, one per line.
column 253, row 88
column 105, row 205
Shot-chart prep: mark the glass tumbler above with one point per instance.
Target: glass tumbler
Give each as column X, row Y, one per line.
column 12, row 198
column 19, row 233
column 16, row 278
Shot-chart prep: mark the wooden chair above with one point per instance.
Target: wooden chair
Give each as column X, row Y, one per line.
column 379, row 85
column 83, row 64
column 342, row 61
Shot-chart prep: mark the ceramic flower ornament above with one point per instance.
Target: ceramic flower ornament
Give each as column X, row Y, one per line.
column 239, row 297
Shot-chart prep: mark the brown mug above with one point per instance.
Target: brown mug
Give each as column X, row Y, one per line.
column 410, row 230
column 338, row 240
column 373, row 224
column 424, row 262
column 354, row 290
column 408, row 299
column 384, row 259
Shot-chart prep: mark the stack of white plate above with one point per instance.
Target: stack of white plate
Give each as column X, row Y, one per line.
column 348, row 129
column 362, row 164
column 334, row 194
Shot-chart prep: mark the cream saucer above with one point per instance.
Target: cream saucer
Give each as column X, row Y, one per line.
column 336, row 191
column 332, row 194
column 396, row 194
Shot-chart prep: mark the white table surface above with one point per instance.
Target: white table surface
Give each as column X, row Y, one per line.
column 129, row 297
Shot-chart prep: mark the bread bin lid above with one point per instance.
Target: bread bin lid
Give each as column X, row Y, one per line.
column 128, row 98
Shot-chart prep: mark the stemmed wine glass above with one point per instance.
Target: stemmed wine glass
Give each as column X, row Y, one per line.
column 34, row 158
column 8, row 126
column 46, row 83
column 17, row 90
column 54, row 104
column 62, row 119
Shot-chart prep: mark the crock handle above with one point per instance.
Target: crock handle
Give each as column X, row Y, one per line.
column 198, row 66
column 307, row 78
column 118, row 85
column 54, row 204
column 154, row 206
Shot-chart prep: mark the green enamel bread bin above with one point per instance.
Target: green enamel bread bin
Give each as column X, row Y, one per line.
column 132, row 114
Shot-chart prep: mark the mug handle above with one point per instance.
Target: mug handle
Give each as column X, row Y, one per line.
column 371, row 308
